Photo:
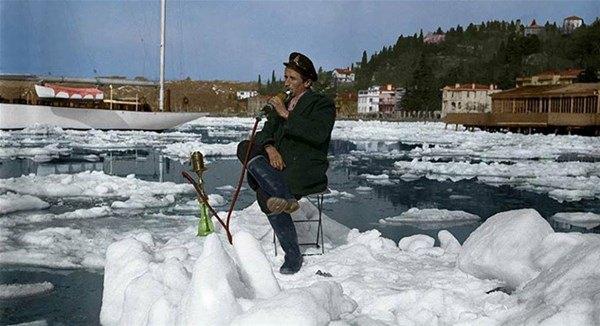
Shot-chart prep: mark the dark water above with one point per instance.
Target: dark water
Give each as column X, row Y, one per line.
column 76, row 298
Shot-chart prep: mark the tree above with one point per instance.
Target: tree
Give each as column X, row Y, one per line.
column 363, row 61
column 422, row 92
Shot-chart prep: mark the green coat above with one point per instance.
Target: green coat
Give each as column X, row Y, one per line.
column 303, row 142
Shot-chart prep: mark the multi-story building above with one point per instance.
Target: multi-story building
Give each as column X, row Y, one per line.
column 467, row 98
column 550, row 77
column 342, row 75
column 368, row 100
column 571, row 23
column 387, row 99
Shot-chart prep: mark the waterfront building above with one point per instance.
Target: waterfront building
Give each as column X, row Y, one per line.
column 548, row 108
column 467, row 98
column 550, row 77
column 368, row 100
column 387, row 99
column 571, row 23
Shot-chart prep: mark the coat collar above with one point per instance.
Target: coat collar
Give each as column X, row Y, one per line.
column 300, row 106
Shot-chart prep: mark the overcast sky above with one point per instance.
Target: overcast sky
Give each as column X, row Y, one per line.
column 231, row 40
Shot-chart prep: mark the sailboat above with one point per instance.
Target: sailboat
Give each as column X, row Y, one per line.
column 78, row 115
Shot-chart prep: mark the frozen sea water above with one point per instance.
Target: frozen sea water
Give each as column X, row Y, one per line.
column 353, row 155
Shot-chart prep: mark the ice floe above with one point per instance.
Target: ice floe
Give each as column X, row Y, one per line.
column 11, row 202
column 90, row 184
column 587, row 220
column 182, row 151
column 567, row 181
column 10, row 291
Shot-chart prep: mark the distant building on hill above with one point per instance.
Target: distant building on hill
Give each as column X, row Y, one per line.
column 467, row 98
column 550, row 77
column 571, row 23
column 533, row 29
column 242, row 95
column 434, row 38
column 342, row 76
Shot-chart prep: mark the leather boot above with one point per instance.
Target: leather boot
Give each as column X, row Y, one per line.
column 284, row 229
column 273, row 185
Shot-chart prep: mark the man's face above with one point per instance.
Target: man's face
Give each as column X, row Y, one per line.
column 294, row 83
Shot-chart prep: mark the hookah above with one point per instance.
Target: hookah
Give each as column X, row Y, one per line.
column 205, row 225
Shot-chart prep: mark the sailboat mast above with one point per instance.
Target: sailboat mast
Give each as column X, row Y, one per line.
column 161, row 95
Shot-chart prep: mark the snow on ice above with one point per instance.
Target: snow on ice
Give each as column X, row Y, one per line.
column 502, row 246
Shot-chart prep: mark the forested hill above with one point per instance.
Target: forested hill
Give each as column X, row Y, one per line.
column 493, row 52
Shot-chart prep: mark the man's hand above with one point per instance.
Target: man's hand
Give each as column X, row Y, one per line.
column 279, row 107
column 275, row 158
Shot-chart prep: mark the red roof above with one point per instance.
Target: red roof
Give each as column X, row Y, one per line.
column 468, row 87
column 343, row 71
column 571, row 72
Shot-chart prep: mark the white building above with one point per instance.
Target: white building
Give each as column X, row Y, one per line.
column 467, row 98
column 571, row 23
column 342, row 75
column 242, row 95
column 368, row 101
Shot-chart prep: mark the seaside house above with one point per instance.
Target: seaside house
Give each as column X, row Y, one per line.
column 550, row 77
column 467, row 98
column 342, row 76
column 242, row 95
column 571, row 23
column 533, row 29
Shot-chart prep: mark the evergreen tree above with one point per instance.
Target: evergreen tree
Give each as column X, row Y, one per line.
column 363, row 61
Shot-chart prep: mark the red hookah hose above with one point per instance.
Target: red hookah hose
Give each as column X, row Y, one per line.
column 244, row 167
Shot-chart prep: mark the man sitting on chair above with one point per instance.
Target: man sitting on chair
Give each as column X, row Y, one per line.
column 289, row 157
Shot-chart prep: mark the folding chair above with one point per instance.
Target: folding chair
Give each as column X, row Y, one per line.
column 318, row 243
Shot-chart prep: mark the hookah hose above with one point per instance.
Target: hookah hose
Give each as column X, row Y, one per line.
column 244, row 167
